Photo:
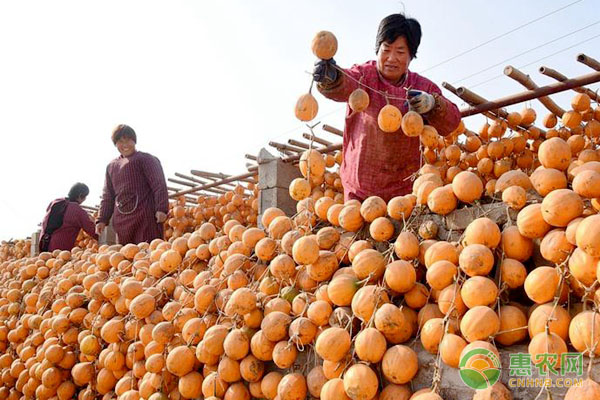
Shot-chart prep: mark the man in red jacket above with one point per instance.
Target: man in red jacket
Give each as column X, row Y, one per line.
column 375, row 162
column 135, row 192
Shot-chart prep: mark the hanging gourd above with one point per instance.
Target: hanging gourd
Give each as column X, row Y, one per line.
column 324, row 45
column 358, row 100
column 306, row 107
column 412, row 124
column 389, row 118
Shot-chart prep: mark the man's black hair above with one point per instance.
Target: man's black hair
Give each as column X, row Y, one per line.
column 395, row 25
column 125, row 131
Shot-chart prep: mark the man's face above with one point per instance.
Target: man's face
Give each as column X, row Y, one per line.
column 393, row 59
column 126, row 146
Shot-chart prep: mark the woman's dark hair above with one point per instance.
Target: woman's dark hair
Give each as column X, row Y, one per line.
column 78, row 190
column 121, row 131
column 396, row 25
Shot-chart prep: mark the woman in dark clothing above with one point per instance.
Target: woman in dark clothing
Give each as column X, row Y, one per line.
column 64, row 218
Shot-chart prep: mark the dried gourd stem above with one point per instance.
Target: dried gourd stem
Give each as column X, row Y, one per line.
column 348, row 248
column 437, row 370
column 366, row 280
column 388, row 254
column 191, row 339
column 511, row 330
column 501, row 285
column 418, row 333
column 589, row 293
column 547, row 324
column 508, row 217
column 299, row 345
column 437, row 374
column 312, row 353
column 555, row 303
column 371, row 320
column 592, row 351
column 345, row 365
column 412, row 176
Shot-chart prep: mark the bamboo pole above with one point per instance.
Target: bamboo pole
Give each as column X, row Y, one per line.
column 192, row 200
column 316, row 139
column 474, row 99
column 189, row 178
column 195, row 180
column 532, row 94
column 324, row 150
column 589, row 61
column 333, row 130
column 284, row 147
column 554, row 74
column 303, row 145
column 298, row 144
column 223, row 177
column 180, row 182
column 210, row 179
column 526, row 81
column 230, row 179
column 207, row 174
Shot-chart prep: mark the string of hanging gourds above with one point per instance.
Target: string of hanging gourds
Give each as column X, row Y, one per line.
column 390, row 119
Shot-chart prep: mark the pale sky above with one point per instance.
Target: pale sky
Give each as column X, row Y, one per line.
column 204, row 82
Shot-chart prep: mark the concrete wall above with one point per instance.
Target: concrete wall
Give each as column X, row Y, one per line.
column 274, row 178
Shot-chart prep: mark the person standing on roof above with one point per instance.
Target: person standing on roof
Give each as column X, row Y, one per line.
column 135, row 192
column 375, row 162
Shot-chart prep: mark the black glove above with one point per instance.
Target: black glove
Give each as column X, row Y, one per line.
column 325, row 72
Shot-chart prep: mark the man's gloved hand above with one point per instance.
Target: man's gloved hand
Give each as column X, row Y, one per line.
column 420, row 101
column 325, row 72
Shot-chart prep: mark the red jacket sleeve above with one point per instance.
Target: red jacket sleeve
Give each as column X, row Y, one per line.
column 86, row 223
column 156, row 179
column 445, row 116
column 107, row 204
column 344, row 86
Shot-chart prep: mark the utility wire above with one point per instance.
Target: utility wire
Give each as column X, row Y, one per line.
column 500, row 36
column 525, row 52
column 538, row 60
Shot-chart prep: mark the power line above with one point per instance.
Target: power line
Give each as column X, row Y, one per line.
column 560, row 51
column 525, row 52
column 538, row 60
column 500, row 36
